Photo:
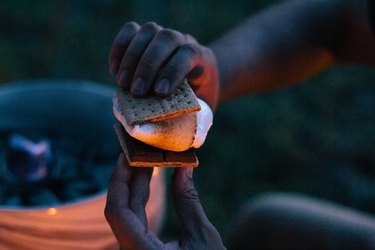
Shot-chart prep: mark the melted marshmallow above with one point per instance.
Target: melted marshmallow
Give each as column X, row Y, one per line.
column 176, row 134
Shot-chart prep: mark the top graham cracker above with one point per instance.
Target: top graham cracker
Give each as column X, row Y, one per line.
column 154, row 108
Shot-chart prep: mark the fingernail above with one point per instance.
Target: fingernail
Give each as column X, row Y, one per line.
column 122, row 78
column 113, row 67
column 189, row 172
column 138, row 86
column 163, row 87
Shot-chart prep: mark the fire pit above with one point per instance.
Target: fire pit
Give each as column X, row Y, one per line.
column 57, row 150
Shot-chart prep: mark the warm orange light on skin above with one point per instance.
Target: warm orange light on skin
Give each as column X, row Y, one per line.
column 51, row 211
column 155, row 172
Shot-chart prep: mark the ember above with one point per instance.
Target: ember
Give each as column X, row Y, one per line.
column 50, row 171
column 27, row 160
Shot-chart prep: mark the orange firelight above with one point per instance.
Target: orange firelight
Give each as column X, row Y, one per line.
column 51, row 211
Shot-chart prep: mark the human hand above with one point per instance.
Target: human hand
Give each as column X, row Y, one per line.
column 150, row 58
column 125, row 210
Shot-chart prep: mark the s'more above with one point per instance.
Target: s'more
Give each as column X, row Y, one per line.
column 161, row 131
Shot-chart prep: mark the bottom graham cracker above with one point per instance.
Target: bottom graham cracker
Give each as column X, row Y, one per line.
column 140, row 154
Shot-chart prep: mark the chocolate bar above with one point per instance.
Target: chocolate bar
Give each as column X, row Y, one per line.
column 140, row 154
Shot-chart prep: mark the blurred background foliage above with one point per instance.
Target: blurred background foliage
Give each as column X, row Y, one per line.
column 316, row 138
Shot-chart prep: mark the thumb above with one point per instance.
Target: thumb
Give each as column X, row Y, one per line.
column 187, row 203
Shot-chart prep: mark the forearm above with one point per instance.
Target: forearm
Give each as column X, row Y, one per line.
column 289, row 43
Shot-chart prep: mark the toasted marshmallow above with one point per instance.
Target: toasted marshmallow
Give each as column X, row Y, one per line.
column 175, row 134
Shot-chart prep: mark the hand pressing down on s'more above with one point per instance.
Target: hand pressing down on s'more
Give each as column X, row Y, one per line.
column 162, row 131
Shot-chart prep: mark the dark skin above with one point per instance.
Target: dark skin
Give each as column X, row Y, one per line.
column 152, row 59
column 291, row 42
column 128, row 193
column 283, row 45
column 280, row 46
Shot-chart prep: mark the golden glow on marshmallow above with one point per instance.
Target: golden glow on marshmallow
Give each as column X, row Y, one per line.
column 176, row 134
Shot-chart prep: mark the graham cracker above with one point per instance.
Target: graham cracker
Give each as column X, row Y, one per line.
column 140, row 154
column 154, row 108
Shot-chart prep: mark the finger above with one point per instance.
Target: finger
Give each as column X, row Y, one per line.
column 120, row 45
column 117, row 212
column 134, row 53
column 139, row 192
column 118, row 189
column 187, row 204
column 159, row 50
column 184, row 60
column 204, row 78
column 125, row 225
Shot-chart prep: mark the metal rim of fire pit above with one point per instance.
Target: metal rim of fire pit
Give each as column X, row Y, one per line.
column 24, row 87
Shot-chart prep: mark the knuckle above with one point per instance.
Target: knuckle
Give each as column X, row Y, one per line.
column 191, row 194
column 190, row 38
column 208, row 51
column 169, row 35
column 131, row 27
column 150, row 26
column 173, row 69
column 188, row 194
column 128, row 30
column 147, row 63
column 191, row 49
column 209, row 55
